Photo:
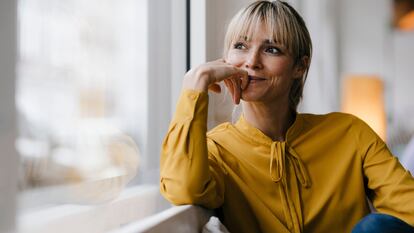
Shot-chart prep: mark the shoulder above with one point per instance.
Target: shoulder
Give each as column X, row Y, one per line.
column 330, row 119
column 328, row 116
column 342, row 119
column 344, row 124
column 336, row 123
column 220, row 129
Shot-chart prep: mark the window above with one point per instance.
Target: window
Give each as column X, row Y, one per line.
column 93, row 104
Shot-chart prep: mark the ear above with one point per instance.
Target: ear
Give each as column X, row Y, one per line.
column 300, row 67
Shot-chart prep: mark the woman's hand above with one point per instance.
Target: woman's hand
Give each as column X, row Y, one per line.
column 207, row 76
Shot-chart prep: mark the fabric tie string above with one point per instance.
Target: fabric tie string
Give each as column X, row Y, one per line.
column 277, row 164
column 278, row 156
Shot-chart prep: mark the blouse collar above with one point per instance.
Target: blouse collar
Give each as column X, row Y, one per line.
column 258, row 136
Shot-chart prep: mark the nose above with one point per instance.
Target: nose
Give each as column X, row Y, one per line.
column 253, row 60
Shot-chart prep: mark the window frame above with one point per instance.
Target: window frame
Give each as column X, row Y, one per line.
column 9, row 157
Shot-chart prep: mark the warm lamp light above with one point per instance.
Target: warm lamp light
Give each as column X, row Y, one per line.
column 406, row 23
column 363, row 96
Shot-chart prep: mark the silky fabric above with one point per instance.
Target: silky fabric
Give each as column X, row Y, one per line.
column 317, row 180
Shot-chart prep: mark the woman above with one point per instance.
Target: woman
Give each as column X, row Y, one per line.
column 277, row 170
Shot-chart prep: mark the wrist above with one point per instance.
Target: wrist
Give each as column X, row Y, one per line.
column 197, row 79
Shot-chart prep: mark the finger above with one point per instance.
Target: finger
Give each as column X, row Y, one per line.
column 225, row 71
column 240, row 86
column 215, row 88
column 244, row 82
column 229, row 86
column 239, row 89
column 236, row 91
column 243, row 76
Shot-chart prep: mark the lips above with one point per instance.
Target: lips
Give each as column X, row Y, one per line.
column 255, row 78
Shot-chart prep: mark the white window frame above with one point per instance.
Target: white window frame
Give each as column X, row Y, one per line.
column 8, row 154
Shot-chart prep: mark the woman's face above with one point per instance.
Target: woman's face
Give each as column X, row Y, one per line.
column 271, row 69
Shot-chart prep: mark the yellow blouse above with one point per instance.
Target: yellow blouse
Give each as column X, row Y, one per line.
column 315, row 181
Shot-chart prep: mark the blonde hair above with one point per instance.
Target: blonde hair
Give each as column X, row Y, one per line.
column 287, row 28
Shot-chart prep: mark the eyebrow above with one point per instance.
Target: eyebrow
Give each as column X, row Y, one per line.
column 265, row 41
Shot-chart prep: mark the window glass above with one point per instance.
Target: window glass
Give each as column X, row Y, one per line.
column 80, row 66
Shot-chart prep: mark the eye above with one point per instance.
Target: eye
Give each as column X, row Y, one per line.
column 272, row 50
column 239, row 45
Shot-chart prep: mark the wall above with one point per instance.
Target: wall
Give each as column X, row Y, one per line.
column 364, row 36
column 402, row 91
column 321, row 88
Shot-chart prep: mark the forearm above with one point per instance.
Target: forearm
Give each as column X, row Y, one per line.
column 185, row 172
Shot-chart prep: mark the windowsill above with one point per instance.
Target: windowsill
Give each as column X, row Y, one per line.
column 180, row 219
column 133, row 205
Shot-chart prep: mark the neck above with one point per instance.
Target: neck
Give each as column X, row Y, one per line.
column 273, row 121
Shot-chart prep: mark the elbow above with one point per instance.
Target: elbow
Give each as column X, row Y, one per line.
column 179, row 194
column 179, row 199
column 188, row 195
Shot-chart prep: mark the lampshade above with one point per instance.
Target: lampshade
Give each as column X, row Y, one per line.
column 363, row 96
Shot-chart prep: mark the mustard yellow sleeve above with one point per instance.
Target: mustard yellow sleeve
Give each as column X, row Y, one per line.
column 390, row 186
column 189, row 172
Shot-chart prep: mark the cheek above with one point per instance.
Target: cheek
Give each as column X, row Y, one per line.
column 280, row 68
column 234, row 58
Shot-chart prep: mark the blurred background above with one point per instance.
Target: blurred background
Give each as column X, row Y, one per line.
column 88, row 87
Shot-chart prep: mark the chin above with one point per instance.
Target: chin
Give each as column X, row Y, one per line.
column 263, row 96
column 251, row 97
